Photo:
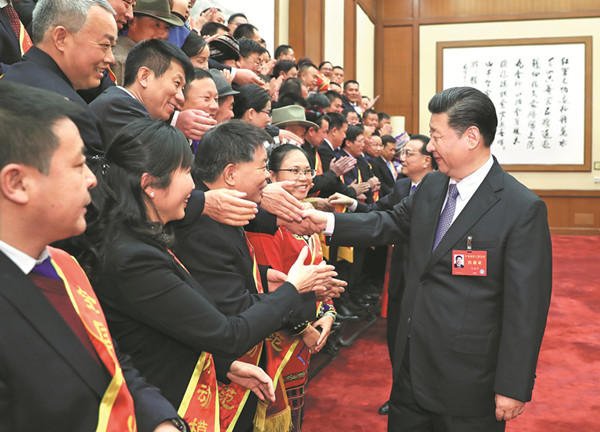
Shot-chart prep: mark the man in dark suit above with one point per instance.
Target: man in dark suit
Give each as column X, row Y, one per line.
column 60, row 370
column 11, row 28
column 66, row 58
column 468, row 341
column 381, row 166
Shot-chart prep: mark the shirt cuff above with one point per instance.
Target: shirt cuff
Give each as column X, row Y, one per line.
column 174, row 119
column 330, row 224
column 233, row 72
column 352, row 207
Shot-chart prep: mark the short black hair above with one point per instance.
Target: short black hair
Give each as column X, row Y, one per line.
column 212, row 28
column 350, row 82
column 382, row 115
column 287, row 99
column 27, row 119
column 198, row 75
column 354, row 131
column 332, row 95
column 249, row 46
column 193, row 45
column 291, row 85
column 156, row 55
column 244, row 31
column 234, row 16
column 281, row 50
column 369, row 111
column 387, row 139
column 279, row 153
column 336, row 121
column 231, row 142
column 466, row 107
column 302, row 68
column 283, row 66
column 318, row 100
column 323, row 63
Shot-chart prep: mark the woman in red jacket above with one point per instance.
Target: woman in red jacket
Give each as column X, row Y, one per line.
column 280, row 251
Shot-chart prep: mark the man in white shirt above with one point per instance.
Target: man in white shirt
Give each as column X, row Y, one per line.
column 468, row 338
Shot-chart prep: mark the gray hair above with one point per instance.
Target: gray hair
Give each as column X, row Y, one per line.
column 71, row 14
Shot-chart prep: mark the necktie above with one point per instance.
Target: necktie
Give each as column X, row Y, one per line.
column 18, row 28
column 412, row 189
column 45, row 268
column 447, row 215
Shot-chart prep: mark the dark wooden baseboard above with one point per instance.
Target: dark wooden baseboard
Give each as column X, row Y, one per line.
column 573, row 212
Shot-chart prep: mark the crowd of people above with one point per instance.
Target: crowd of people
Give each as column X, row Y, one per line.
column 199, row 182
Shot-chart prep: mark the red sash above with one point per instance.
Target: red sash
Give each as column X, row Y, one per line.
column 116, row 412
column 199, row 406
column 278, row 348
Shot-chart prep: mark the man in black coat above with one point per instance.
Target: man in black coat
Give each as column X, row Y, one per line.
column 468, row 339
column 55, row 373
column 66, row 58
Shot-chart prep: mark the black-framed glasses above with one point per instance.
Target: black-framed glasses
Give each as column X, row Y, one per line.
column 297, row 171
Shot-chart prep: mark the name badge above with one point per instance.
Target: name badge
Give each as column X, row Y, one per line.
column 469, row 263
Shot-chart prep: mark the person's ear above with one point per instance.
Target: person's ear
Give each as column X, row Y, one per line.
column 473, row 137
column 59, row 37
column 17, row 182
column 143, row 76
column 147, row 183
column 229, row 175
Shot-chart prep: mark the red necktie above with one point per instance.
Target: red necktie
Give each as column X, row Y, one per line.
column 22, row 36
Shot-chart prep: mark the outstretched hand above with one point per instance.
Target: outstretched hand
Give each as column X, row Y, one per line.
column 253, row 378
column 228, row 207
column 278, row 201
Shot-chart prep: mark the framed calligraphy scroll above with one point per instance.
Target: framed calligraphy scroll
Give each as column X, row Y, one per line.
column 542, row 91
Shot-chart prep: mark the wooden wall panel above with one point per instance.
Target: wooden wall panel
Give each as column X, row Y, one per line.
column 472, row 8
column 349, row 39
column 572, row 212
column 370, row 8
column 397, row 81
column 395, row 9
column 306, row 35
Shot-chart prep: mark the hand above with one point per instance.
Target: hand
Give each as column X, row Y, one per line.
column 330, row 290
column 194, row 123
column 310, row 337
column 360, row 188
column 285, row 136
column 166, row 426
column 275, row 279
column 341, row 199
column 308, row 278
column 278, row 201
column 317, row 218
column 253, row 378
column 306, row 227
column 342, row 165
column 229, row 207
column 374, row 183
column 372, row 102
column 267, row 68
column 202, row 19
column 227, row 74
column 361, row 197
column 246, row 76
column 325, row 323
column 507, row 408
column 323, row 204
column 386, row 129
column 275, row 86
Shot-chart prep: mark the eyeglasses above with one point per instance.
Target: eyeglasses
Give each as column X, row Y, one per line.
column 269, row 113
column 297, row 172
column 406, row 153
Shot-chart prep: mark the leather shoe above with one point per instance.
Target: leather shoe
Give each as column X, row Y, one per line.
column 385, row 409
column 345, row 314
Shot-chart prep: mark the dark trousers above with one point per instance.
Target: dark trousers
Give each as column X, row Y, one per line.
column 406, row 415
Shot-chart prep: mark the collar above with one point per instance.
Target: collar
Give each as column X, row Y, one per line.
column 43, row 59
column 329, row 144
column 467, row 186
column 4, row 3
column 348, row 154
column 127, row 91
column 21, row 259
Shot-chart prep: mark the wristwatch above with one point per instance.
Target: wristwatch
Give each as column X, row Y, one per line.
column 179, row 424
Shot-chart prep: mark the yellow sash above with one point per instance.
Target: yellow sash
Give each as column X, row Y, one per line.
column 116, row 412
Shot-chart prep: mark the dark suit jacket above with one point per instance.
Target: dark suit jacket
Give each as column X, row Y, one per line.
column 48, row 379
column 400, row 191
column 361, row 172
column 217, row 255
column 382, row 172
column 38, row 69
column 164, row 319
column 327, row 183
column 114, row 109
column 470, row 337
column 9, row 45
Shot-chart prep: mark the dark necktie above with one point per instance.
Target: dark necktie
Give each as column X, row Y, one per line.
column 17, row 26
column 447, row 215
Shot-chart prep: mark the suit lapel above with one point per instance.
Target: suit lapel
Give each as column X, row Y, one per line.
column 35, row 308
column 480, row 203
column 9, row 30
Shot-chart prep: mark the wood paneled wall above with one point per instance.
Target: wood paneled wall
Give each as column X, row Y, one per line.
column 572, row 211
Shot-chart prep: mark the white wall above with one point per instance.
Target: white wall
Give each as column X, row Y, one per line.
column 365, row 53
column 334, row 32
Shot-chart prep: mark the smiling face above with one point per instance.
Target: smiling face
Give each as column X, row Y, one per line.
column 168, row 204
column 202, row 94
column 251, row 177
column 352, row 92
column 225, row 109
column 414, row 163
column 123, row 11
column 63, row 194
column 145, row 27
column 295, row 159
column 87, row 54
column 450, row 150
column 165, row 93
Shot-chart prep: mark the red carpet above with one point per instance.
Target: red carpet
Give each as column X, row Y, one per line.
column 345, row 396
